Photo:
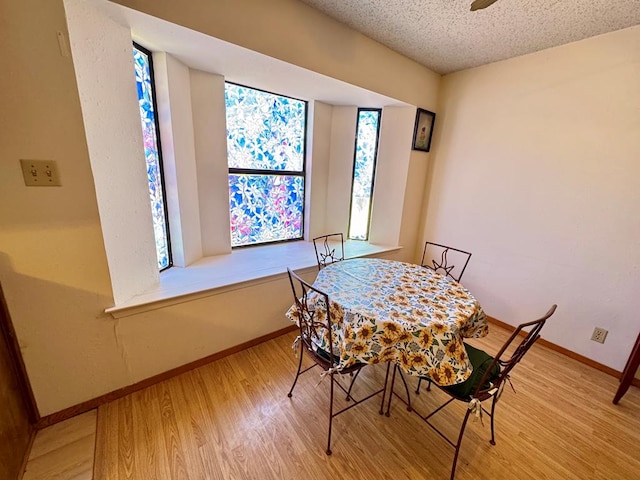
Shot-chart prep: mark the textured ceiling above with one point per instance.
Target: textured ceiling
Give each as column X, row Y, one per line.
column 445, row 36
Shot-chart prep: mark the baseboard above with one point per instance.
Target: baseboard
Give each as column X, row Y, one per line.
column 567, row 352
column 116, row 394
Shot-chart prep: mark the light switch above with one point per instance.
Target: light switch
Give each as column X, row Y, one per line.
column 40, row 173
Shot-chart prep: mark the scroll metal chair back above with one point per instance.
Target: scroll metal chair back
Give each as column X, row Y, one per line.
column 329, row 249
column 312, row 306
column 487, row 379
column 444, row 259
column 312, row 311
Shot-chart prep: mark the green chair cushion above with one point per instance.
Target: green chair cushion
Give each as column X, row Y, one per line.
column 323, row 353
column 480, row 361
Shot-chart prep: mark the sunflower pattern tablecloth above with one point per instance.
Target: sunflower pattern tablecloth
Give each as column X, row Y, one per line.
column 384, row 310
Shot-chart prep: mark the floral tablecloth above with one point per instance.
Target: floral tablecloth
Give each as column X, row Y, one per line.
column 385, row 310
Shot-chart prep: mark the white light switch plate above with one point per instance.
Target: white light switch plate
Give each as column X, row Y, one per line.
column 40, row 173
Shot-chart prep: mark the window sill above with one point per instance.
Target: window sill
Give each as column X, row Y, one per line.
column 239, row 269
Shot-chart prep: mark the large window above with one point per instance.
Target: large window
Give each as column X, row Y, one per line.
column 364, row 167
column 150, row 135
column 266, row 157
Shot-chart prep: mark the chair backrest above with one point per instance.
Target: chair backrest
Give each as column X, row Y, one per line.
column 444, row 259
column 511, row 353
column 312, row 311
column 329, row 249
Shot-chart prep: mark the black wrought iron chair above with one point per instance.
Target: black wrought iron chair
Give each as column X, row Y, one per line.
column 448, row 260
column 315, row 325
column 486, row 381
column 444, row 259
column 329, row 249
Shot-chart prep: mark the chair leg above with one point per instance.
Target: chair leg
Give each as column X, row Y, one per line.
column 455, row 457
column 406, row 389
column 393, row 381
column 353, row 379
column 428, row 386
column 297, row 374
column 384, row 389
column 493, row 412
column 330, row 416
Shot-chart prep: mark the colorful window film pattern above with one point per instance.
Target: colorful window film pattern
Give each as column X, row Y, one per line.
column 265, row 208
column 142, row 64
column 265, row 149
column 264, row 131
column 363, row 172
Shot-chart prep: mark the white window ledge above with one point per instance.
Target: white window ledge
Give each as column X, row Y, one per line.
column 239, row 269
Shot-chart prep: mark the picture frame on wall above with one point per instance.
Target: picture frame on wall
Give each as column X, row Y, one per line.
column 423, row 130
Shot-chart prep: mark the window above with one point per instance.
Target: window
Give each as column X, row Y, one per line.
column 150, row 135
column 364, row 167
column 266, row 158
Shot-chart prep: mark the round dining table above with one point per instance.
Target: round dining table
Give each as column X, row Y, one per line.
column 391, row 311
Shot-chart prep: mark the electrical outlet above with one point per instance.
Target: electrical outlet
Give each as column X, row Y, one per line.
column 599, row 335
column 40, row 173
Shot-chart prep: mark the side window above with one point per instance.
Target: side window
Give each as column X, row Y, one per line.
column 150, row 135
column 266, row 157
column 364, row 168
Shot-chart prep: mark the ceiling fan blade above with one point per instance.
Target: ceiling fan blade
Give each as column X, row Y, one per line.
column 480, row 4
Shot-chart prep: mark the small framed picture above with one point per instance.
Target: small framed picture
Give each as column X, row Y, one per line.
column 423, row 131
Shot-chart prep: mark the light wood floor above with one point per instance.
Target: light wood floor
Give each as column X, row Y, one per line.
column 232, row 420
column 64, row 451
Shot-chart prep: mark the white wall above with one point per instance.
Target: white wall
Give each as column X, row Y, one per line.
column 53, row 264
column 114, row 138
column 296, row 33
column 536, row 172
column 210, row 138
column 57, row 295
column 391, row 176
column 317, row 167
column 172, row 84
column 343, row 129
column 392, row 168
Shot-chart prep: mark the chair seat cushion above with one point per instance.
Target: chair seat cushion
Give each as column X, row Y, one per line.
column 324, row 355
column 480, row 361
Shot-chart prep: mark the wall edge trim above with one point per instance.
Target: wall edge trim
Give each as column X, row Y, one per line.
column 116, row 394
column 121, row 392
column 565, row 351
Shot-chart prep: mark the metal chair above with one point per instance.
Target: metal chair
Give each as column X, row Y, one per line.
column 316, row 329
column 329, row 249
column 440, row 258
column 486, row 381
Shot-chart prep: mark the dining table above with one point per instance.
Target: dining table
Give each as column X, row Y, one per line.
column 391, row 311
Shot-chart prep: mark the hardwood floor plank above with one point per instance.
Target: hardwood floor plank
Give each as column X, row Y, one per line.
column 126, row 439
column 146, row 409
column 174, row 448
column 58, row 435
column 213, row 447
column 104, row 461
column 64, row 451
column 232, row 420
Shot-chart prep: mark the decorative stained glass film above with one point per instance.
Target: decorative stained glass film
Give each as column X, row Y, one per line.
column 265, row 150
column 265, row 208
column 144, row 81
column 367, row 134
